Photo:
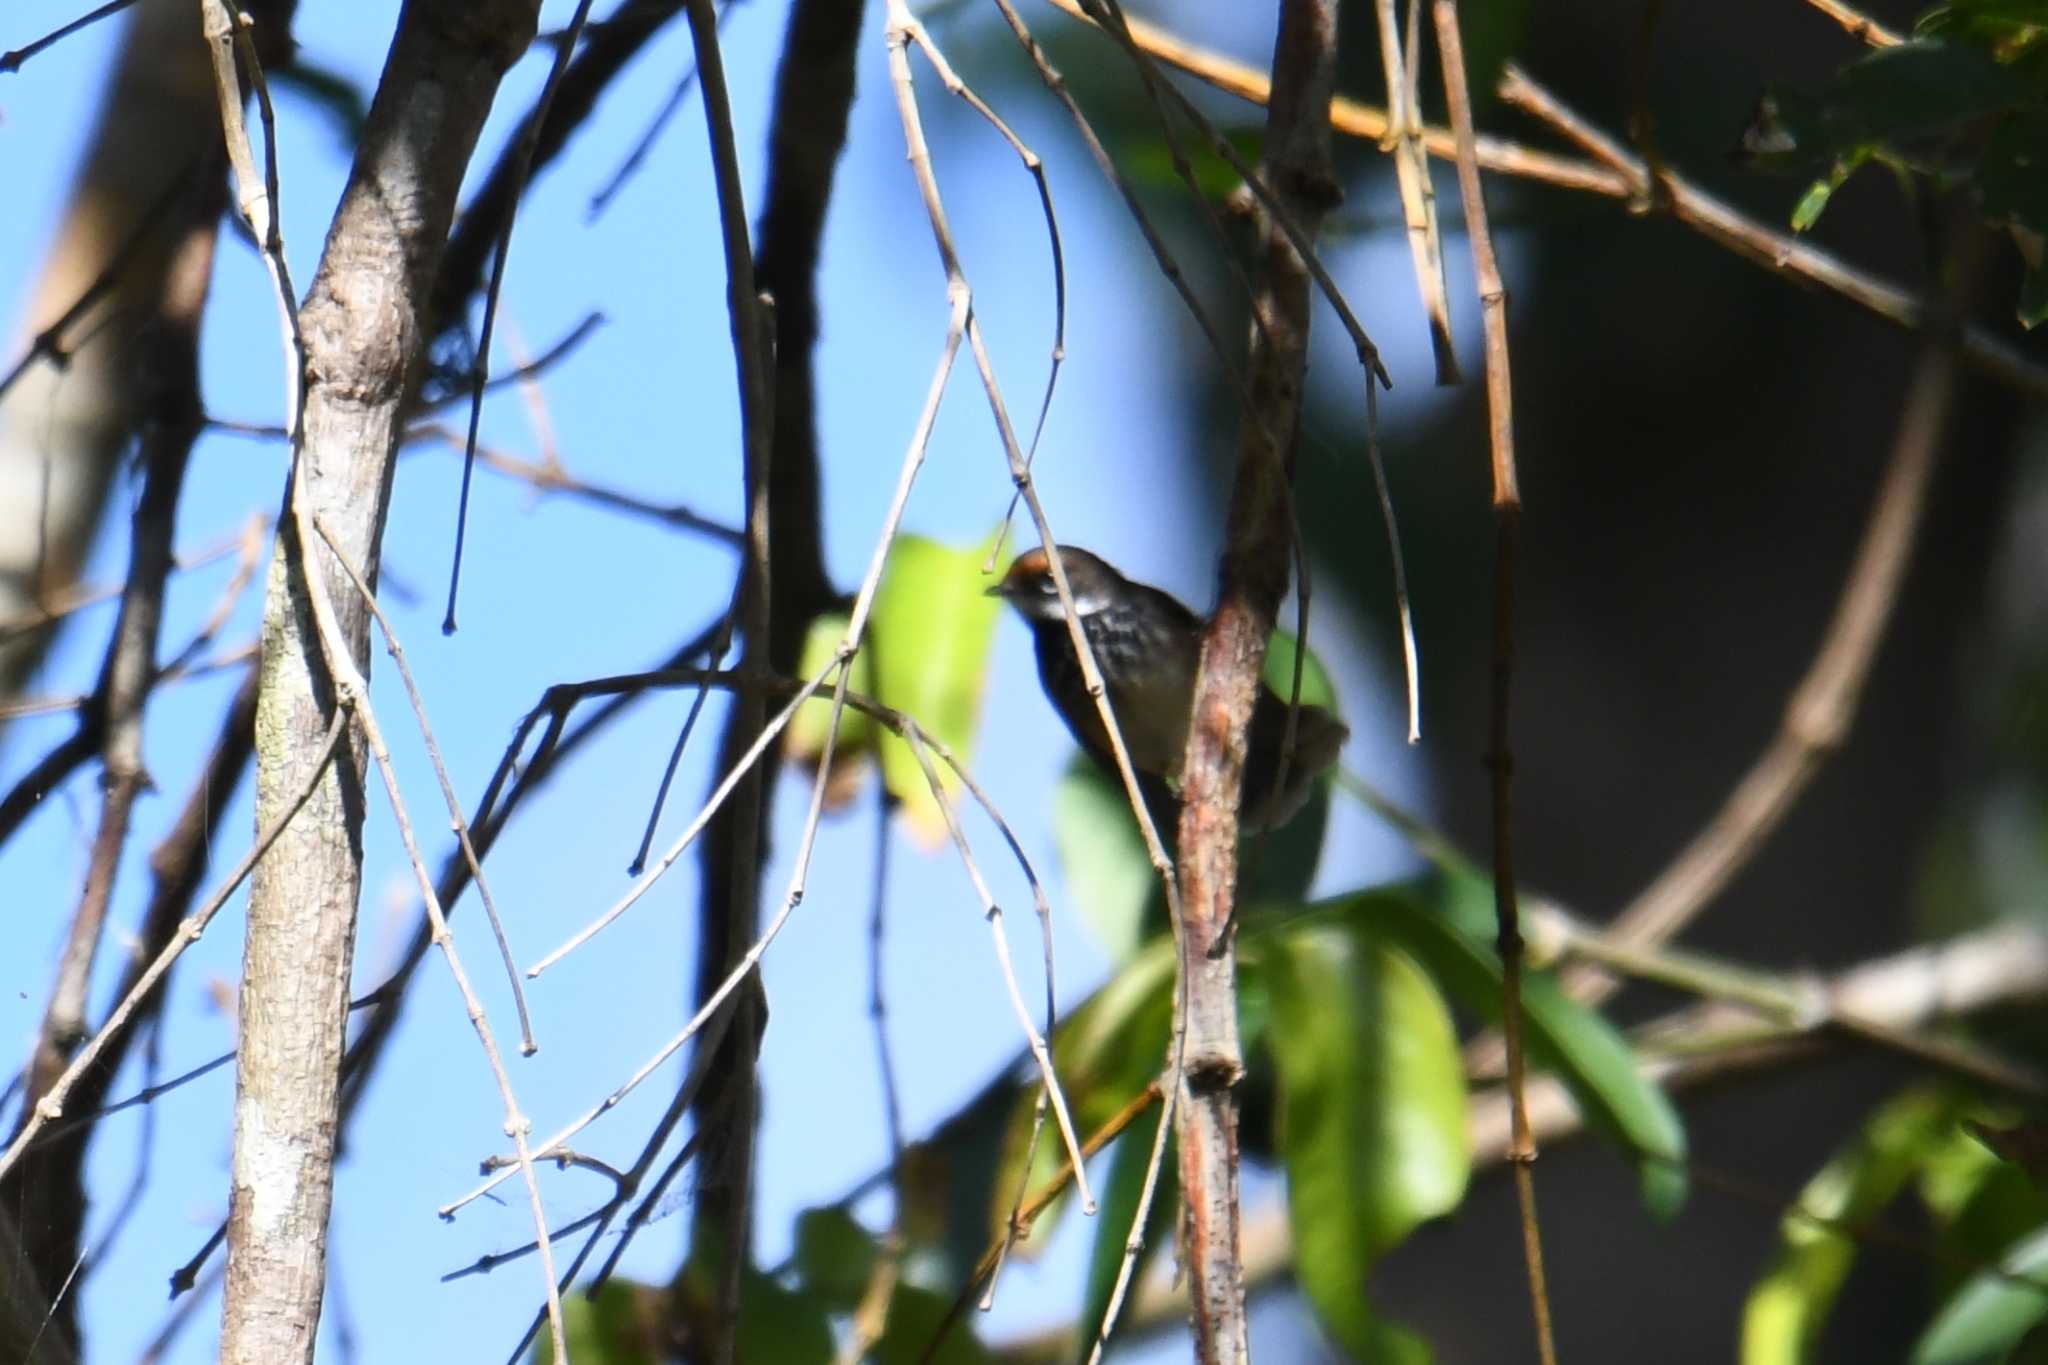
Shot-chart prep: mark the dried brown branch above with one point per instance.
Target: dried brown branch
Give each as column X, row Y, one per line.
column 1779, row 252
column 1507, row 513
column 903, row 30
column 1822, row 708
column 1858, row 24
column 1411, row 173
column 1614, row 173
column 1361, row 120
column 1254, row 574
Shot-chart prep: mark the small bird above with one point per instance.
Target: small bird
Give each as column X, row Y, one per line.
column 1148, row 647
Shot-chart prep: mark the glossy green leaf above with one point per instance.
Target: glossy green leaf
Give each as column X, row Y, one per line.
column 1789, row 1307
column 1371, row 1129
column 1120, row 1193
column 1992, row 1312
column 1447, row 923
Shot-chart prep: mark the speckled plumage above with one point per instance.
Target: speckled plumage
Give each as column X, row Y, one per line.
column 1147, row 645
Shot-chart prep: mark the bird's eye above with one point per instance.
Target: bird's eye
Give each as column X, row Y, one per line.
column 1048, row 588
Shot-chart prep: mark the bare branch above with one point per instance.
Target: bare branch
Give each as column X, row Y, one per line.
column 1507, row 513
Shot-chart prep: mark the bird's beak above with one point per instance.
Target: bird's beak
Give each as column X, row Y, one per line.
column 996, row 590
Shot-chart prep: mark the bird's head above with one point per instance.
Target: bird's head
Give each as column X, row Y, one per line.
column 1028, row 585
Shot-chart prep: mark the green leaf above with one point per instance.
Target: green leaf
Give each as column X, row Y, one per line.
column 622, row 1327
column 1446, row 922
column 1985, row 22
column 1148, row 162
column 2012, row 174
column 805, row 738
column 933, row 625
column 1128, row 1159
column 1991, row 1313
column 780, row 1324
column 1316, row 689
column 926, row 655
column 1372, row 1113
column 1808, row 210
column 1788, row 1308
column 835, row 1256
column 1103, row 856
column 914, row 1318
column 1917, row 88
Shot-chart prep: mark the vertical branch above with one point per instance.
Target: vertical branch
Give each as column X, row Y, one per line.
column 362, row 329
column 783, row 580
column 1507, row 512
column 164, row 377
column 1254, row 579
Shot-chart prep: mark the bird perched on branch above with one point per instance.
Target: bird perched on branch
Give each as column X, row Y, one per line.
column 1148, row 647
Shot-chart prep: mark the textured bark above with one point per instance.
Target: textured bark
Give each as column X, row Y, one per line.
column 363, row 327
column 1254, row 579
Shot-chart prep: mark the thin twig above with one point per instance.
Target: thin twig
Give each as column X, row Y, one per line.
column 1977, row 973
column 1507, row 510
column 1775, row 251
column 1029, row 1208
column 228, row 32
column 1859, row 25
column 12, row 61
column 898, row 723
column 352, row 693
column 522, row 166
column 903, row 29
column 871, row 1315
column 1411, row 174
column 1798, row 1000
column 1822, row 708
column 527, row 1045
column 1613, row 174
column 51, row 1106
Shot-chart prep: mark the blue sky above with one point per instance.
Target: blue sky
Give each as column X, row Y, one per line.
column 555, row 591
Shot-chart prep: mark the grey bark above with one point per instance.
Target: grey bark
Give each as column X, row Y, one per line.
column 363, row 332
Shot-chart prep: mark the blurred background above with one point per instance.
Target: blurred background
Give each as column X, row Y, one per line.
column 1701, row 441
